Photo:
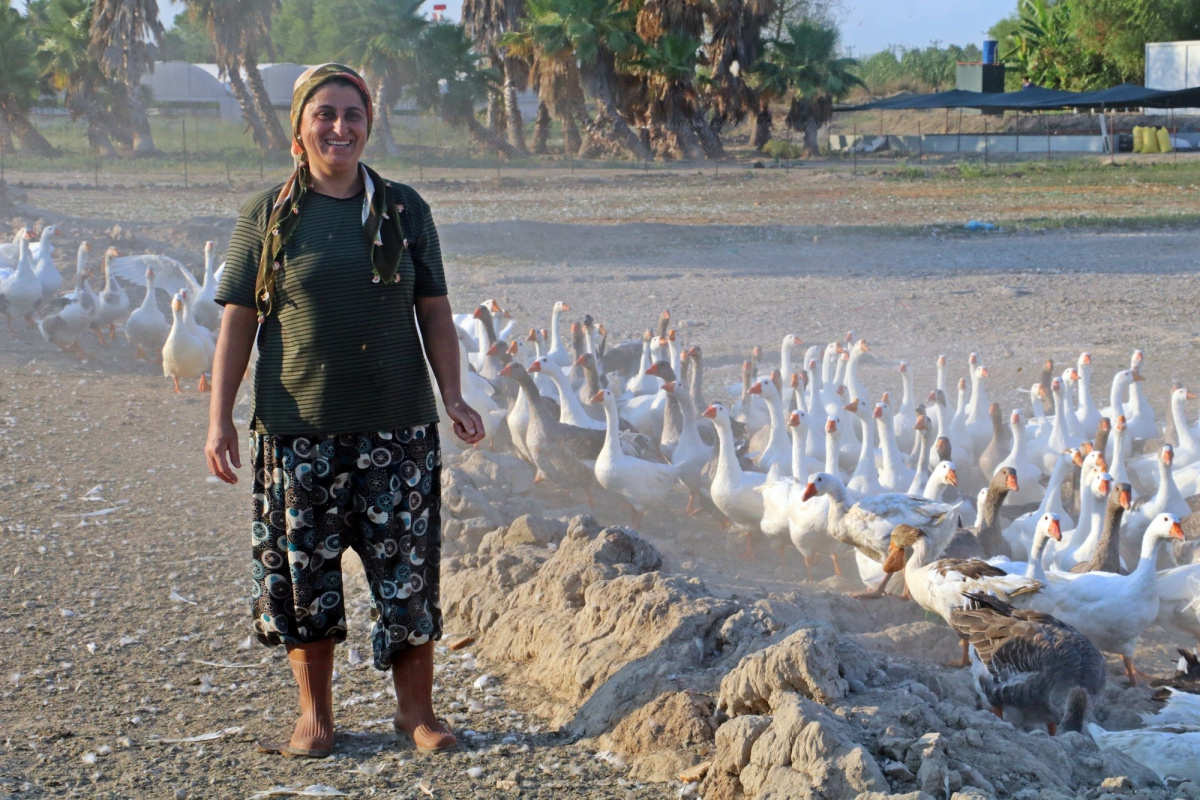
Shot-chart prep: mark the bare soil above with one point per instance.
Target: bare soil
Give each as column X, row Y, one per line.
column 124, row 598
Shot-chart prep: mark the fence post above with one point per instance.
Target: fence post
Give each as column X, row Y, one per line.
column 1047, row 137
column 183, row 125
column 958, row 136
column 228, row 177
column 1112, row 141
column 854, row 147
column 985, row 143
column 920, row 143
column 420, row 170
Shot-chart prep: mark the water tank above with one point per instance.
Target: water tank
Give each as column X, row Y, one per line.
column 990, row 51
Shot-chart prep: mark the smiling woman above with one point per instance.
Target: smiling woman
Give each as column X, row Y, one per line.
column 337, row 275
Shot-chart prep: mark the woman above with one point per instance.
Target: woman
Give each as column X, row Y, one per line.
column 335, row 273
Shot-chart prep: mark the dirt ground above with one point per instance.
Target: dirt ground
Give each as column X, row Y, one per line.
column 124, row 598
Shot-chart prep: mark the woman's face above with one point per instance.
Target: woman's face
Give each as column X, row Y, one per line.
column 333, row 128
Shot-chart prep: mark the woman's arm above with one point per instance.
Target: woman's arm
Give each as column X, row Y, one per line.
column 441, row 349
column 239, row 325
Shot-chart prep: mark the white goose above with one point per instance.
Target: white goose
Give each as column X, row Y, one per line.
column 978, row 422
column 1110, row 609
column 777, row 451
column 1083, row 540
column 183, row 355
column 1018, row 458
column 147, row 328
column 1122, row 380
column 867, row 525
column 1139, row 414
column 571, row 410
column 906, row 415
column 1166, row 500
column 76, row 312
column 808, row 520
column 894, row 476
column 691, row 454
column 1087, row 413
column 640, row 483
column 865, row 480
column 1019, row 534
column 22, row 291
column 44, row 266
column 733, row 491
column 477, row 391
column 113, row 301
column 557, row 352
column 202, row 334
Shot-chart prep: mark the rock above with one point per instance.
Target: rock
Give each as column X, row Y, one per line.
column 806, row 661
column 896, row 771
column 695, row 773
column 1117, row 784
column 496, row 473
column 534, row 530
column 972, row 793
column 683, row 718
column 928, row 757
column 1116, row 763
column 886, row 796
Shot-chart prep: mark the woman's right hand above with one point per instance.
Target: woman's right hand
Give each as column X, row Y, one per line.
column 221, row 450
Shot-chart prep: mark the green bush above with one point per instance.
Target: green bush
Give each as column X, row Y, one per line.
column 777, row 148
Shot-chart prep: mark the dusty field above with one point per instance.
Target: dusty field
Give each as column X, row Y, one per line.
column 124, row 598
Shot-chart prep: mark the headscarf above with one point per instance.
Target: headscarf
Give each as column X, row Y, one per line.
column 380, row 215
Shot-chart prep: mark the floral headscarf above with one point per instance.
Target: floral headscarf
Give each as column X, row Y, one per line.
column 380, row 216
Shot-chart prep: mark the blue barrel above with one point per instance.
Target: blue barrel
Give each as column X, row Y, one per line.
column 990, row 48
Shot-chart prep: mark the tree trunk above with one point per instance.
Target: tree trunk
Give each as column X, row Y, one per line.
column 812, row 147
column 709, row 136
column 572, row 141
column 482, row 135
column 541, row 129
column 16, row 123
column 685, row 139
column 495, row 114
column 762, row 128
column 143, row 140
column 512, row 111
column 83, row 104
column 6, row 142
column 383, row 120
column 249, row 110
column 620, row 132
column 262, row 102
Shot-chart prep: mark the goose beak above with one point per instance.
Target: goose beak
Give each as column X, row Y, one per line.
column 1016, row 418
column 756, row 388
column 878, row 412
column 920, row 425
column 794, row 420
column 1168, row 456
column 1012, row 484
column 1176, row 531
column 795, row 379
column 671, row 335
column 1074, row 374
column 1190, row 395
column 952, row 477
column 1086, row 359
column 536, row 366
column 507, row 371
column 566, row 307
column 852, row 407
column 493, row 350
column 984, row 373
column 1055, row 530
column 1102, row 486
column 601, row 329
column 598, row 397
column 831, row 426
column 1121, row 423
column 513, row 349
column 495, row 307
column 1102, row 462
column 662, row 341
column 477, row 313
column 710, row 412
column 653, row 370
column 1077, row 459
column 903, row 367
column 669, row 386
column 809, row 492
column 1137, row 377
column 579, row 362
column 1124, row 499
column 532, row 337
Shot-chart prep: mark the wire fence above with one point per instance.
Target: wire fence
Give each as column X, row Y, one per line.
column 201, row 149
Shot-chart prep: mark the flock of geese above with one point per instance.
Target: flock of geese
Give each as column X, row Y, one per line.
column 1077, row 544
column 31, row 288
column 1078, row 509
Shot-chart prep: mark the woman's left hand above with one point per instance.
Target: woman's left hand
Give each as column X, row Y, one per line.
column 468, row 425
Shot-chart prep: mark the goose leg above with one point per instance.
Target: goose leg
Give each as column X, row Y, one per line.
column 177, row 390
column 1135, row 675
column 837, row 570
column 587, row 491
column 998, row 711
column 691, row 509
column 141, row 353
column 748, row 553
column 1051, row 728
column 808, row 562
column 112, row 333
column 966, row 659
column 203, row 386
column 77, row 351
column 99, row 335
column 877, row 591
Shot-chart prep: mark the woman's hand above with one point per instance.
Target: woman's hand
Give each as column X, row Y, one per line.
column 468, row 425
column 221, row 449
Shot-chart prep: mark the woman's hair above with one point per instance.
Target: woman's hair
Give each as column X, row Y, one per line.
column 340, row 82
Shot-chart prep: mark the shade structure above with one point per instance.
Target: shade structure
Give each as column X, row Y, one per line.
column 1036, row 98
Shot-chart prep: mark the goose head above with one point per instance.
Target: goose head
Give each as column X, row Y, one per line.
column 943, row 448
column 1101, row 484
column 1084, row 365
column 973, row 360
column 1049, row 525
column 560, row 307
column 903, row 368
column 791, row 341
column 1135, row 360
column 109, row 255
column 945, row 472
column 1167, row 454
column 798, row 419
column 210, row 254
column 606, row 397
column 1005, row 480
column 821, row 483
column 1165, row 526
column 1121, row 495
column 1016, row 420
column 718, row 414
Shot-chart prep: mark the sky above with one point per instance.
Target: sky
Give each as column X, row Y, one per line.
column 867, row 26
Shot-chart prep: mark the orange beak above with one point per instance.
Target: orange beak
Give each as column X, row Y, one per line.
column 669, row 386
column 878, row 413
column 1124, row 499
column 1191, row 395
column 671, row 334
column 852, row 407
column 830, row 426
column 794, row 420
column 477, row 313
column 920, row 426
column 903, row 367
column 1168, row 455
column 1137, row 377
column 710, row 412
column 1012, row 484
column 1103, row 486
column 579, row 362
column 598, row 397
column 1056, row 530
column 756, row 388
column 809, row 491
column 507, row 369
column 1102, row 463
column 494, row 349
column 1086, row 359
column 536, row 366
column 513, row 349
column 1121, row 423
column 862, row 345
column 566, row 307
column 652, row 369
column 495, row 307
column 1177, row 531
column 983, row 372
column 952, row 477
column 795, row 379
column 532, row 337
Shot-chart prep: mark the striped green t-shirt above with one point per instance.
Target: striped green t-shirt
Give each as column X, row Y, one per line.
column 341, row 354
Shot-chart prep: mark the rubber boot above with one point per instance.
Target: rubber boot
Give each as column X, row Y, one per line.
column 412, row 675
column 312, row 666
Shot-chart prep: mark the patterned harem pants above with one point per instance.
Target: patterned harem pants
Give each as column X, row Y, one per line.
column 378, row 493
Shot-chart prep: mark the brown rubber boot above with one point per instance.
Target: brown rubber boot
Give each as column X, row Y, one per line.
column 412, row 675
column 312, row 666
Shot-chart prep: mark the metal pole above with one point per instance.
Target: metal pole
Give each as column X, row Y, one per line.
column 96, row 166
column 183, row 124
column 958, row 137
column 1112, row 141
column 420, row 170
column 854, row 147
column 1047, row 137
column 985, row 143
column 228, row 177
column 920, row 143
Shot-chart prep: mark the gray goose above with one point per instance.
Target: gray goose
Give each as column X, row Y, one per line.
column 1107, row 557
column 987, row 540
column 1030, row 667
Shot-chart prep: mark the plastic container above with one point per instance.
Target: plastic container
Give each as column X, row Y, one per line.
column 991, row 50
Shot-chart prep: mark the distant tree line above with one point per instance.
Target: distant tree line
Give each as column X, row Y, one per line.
column 642, row 78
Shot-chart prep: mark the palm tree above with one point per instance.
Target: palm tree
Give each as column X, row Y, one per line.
column 256, row 35
column 807, row 63
column 556, row 79
column 228, row 23
column 450, row 82
column 20, row 85
column 121, row 30
column 669, row 69
column 595, row 33
column 385, row 36
column 64, row 33
column 734, row 46
column 486, row 22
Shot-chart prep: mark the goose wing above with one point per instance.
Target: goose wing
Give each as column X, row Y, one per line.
column 169, row 274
